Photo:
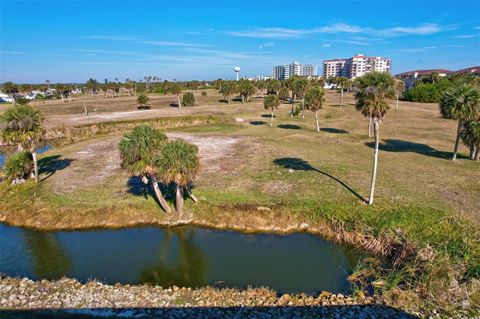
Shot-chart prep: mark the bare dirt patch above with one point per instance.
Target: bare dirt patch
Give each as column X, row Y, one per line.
column 99, row 159
column 90, row 166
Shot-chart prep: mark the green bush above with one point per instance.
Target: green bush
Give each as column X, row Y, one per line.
column 19, row 165
column 188, row 99
column 142, row 101
column 427, row 92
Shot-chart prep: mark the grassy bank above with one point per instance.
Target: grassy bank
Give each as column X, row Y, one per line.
column 291, row 178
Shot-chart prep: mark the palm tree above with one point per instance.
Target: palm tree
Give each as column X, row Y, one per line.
column 314, row 99
column 22, row 125
column 261, row 85
column 462, row 103
column 271, row 102
column 373, row 91
column 176, row 90
column 273, row 86
column 178, row 163
column 137, row 151
column 11, row 89
column 227, row 89
column 398, row 87
column 246, row 90
column 299, row 87
column 471, row 137
column 343, row 83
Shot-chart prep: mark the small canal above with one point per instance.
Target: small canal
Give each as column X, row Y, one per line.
column 182, row 256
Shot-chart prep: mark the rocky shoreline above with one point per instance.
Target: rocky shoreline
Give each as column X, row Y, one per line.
column 97, row 299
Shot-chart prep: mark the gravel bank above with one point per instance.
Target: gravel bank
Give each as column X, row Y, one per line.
column 143, row 301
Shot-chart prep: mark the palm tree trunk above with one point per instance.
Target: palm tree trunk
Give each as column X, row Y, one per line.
column 375, row 161
column 159, row 194
column 477, row 153
column 271, row 120
column 472, row 151
column 179, row 199
column 316, row 121
column 178, row 100
column 370, row 126
column 35, row 164
column 341, row 99
column 396, row 105
column 303, row 107
column 292, row 102
column 457, row 140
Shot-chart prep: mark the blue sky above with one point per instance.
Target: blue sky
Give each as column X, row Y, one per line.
column 71, row 41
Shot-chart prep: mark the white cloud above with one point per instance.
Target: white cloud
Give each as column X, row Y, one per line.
column 326, row 45
column 11, row 52
column 266, row 45
column 139, row 40
column 420, row 49
column 286, row 33
column 466, row 36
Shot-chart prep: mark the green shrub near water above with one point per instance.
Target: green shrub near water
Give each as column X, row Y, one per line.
column 19, row 165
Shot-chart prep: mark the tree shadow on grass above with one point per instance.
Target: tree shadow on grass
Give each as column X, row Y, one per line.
column 50, row 164
column 138, row 188
column 334, row 130
column 299, row 164
column 258, row 123
column 344, row 311
column 401, row 146
column 173, row 104
column 289, row 126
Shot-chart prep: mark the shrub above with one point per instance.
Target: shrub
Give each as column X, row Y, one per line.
column 19, row 165
column 188, row 99
column 142, row 100
column 204, row 93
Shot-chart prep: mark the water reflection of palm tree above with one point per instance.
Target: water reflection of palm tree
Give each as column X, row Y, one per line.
column 50, row 260
column 189, row 268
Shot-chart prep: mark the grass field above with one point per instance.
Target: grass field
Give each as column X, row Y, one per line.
column 297, row 174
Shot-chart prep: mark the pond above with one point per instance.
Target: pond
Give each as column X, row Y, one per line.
column 181, row 256
column 40, row 150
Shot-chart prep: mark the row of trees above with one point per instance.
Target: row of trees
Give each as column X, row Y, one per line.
column 372, row 94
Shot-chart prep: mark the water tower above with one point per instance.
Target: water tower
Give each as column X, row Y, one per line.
column 237, row 70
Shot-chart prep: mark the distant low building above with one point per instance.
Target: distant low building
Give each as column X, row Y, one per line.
column 472, row 70
column 420, row 73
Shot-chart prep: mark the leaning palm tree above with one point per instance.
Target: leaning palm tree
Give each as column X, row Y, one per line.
column 371, row 100
column 178, row 163
column 137, row 151
column 471, row 137
column 314, row 99
column 462, row 103
column 23, row 125
column 271, row 102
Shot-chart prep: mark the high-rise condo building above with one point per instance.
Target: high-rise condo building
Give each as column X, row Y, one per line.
column 355, row 66
column 281, row 72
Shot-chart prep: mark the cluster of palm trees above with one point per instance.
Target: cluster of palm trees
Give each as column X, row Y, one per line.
column 146, row 152
column 22, row 125
column 462, row 103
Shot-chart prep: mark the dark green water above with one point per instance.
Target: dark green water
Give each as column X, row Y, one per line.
column 182, row 256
